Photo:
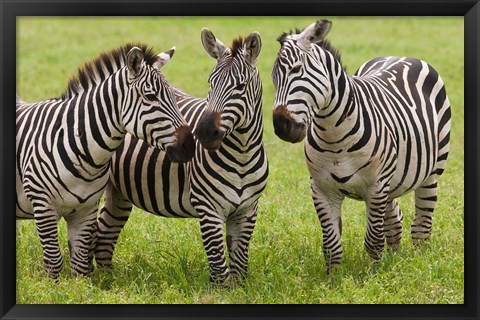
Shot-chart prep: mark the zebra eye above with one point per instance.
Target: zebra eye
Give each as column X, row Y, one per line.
column 151, row 97
column 240, row 87
column 296, row 69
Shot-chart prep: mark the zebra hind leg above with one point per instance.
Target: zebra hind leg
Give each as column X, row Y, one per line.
column 46, row 220
column 425, row 202
column 392, row 225
column 81, row 233
column 113, row 217
column 426, row 194
column 239, row 232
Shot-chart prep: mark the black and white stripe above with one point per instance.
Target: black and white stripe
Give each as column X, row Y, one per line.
column 374, row 136
column 64, row 146
column 223, row 182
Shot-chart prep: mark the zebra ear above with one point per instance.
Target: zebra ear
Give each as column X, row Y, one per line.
column 253, row 44
column 314, row 33
column 163, row 58
column 214, row 47
column 134, row 61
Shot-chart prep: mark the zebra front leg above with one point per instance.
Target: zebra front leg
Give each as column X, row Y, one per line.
column 239, row 232
column 211, row 227
column 375, row 235
column 392, row 225
column 113, row 217
column 328, row 210
column 425, row 202
column 82, row 225
column 46, row 220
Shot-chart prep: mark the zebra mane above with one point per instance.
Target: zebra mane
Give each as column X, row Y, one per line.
column 324, row 44
column 283, row 37
column 97, row 70
column 237, row 44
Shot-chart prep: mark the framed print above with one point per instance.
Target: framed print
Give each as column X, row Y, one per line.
column 201, row 83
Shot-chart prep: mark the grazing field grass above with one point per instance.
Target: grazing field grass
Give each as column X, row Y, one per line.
column 159, row 260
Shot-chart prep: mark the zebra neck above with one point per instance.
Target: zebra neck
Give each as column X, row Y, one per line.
column 248, row 137
column 339, row 117
column 94, row 126
column 246, row 140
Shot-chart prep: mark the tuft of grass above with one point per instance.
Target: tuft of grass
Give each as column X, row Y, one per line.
column 159, row 260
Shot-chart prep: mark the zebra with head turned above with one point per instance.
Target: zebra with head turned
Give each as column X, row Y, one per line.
column 224, row 180
column 64, row 146
column 373, row 136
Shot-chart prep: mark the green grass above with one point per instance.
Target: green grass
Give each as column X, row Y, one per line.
column 160, row 260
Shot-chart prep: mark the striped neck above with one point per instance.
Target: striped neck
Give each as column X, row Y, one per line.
column 94, row 123
column 339, row 114
column 248, row 137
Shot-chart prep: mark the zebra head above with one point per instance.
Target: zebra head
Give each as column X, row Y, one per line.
column 150, row 110
column 234, row 87
column 301, row 81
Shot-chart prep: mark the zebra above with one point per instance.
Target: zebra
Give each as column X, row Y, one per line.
column 373, row 136
column 64, row 145
column 224, row 180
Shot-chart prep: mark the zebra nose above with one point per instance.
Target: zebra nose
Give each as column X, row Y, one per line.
column 208, row 130
column 281, row 121
column 281, row 124
column 286, row 128
column 188, row 145
column 184, row 149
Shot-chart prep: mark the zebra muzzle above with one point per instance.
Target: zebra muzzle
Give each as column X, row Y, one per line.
column 209, row 132
column 286, row 128
column 184, row 149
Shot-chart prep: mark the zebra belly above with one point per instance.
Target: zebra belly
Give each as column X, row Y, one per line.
column 345, row 174
column 81, row 194
column 66, row 193
column 326, row 179
column 24, row 208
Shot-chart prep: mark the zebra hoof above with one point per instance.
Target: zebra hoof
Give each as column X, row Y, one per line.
column 374, row 266
column 104, row 266
column 54, row 277
column 235, row 280
column 395, row 246
column 218, row 281
column 330, row 269
column 53, row 273
column 417, row 241
column 77, row 274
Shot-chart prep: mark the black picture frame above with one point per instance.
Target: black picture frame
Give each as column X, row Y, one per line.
column 11, row 9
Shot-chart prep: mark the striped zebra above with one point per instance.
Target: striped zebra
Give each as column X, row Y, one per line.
column 224, row 180
column 373, row 136
column 64, row 145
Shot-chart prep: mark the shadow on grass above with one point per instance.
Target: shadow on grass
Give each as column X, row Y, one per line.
column 360, row 269
column 169, row 268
